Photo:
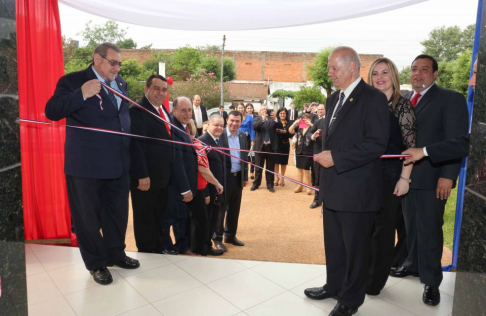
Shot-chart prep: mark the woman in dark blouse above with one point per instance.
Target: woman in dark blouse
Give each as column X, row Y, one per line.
column 281, row 161
column 304, row 150
column 384, row 76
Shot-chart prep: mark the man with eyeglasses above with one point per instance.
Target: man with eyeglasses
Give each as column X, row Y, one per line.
column 97, row 164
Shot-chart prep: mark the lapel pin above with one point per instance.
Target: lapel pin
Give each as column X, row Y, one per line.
column 351, row 100
column 120, row 84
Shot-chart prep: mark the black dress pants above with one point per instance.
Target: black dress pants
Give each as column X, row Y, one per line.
column 148, row 213
column 99, row 205
column 383, row 240
column 347, row 241
column 177, row 217
column 230, row 208
column 267, row 160
column 424, row 217
column 199, row 224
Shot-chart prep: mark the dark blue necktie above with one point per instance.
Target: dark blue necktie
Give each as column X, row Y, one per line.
column 111, row 95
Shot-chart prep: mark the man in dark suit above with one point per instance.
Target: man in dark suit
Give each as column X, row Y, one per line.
column 315, row 135
column 236, row 179
column 97, row 164
column 293, row 114
column 223, row 114
column 356, row 135
column 442, row 118
column 182, row 185
column 152, row 162
column 217, row 165
column 199, row 114
column 266, row 141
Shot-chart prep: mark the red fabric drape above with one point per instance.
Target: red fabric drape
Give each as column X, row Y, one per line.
column 40, row 65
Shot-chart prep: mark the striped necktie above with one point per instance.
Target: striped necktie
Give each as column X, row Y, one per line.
column 338, row 108
column 111, row 95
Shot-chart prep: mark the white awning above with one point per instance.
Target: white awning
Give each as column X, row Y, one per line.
column 233, row 15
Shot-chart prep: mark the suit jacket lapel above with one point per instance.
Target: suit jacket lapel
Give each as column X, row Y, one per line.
column 348, row 104
column 146, row 104
column 426, row 99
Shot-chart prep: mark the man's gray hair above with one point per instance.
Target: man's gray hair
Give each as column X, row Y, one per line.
column 102, row 49
column 349, row 55
column 215, row 116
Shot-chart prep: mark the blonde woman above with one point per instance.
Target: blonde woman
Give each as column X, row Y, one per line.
column 384, row 76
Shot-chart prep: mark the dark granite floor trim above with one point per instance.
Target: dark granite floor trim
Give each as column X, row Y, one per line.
column 10, row 167
column 476, row 193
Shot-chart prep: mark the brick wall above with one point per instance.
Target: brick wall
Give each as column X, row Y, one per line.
column 257, row 66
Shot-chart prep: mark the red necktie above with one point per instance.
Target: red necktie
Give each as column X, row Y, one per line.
column 165, row 118
column 415, row 99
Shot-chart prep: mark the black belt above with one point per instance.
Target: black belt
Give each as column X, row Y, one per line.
column 235, row 174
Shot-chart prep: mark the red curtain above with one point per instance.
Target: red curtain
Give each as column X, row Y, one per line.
column 40, row 65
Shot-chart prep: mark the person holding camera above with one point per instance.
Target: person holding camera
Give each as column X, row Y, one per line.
column 304, row 150
column 266, row 143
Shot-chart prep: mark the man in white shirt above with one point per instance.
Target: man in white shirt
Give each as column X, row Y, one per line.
column 199, row 114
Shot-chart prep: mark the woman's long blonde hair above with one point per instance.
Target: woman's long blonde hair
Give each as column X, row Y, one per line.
column 393, row 74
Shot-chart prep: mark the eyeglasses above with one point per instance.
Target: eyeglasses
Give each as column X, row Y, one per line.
column 113, row 62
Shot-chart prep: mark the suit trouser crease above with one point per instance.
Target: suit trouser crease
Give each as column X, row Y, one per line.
column 99, row 205
column 383, row 240
column 149, row 208
column 267, row 160
column 199, row 225
column 424, row 217
column 347, row 240
column 230, row 209
column 177, row 217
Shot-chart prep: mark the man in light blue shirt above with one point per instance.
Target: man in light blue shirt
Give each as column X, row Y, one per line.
column 236, row 180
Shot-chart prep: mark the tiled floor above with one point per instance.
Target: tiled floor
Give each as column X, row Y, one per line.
column 58, row 284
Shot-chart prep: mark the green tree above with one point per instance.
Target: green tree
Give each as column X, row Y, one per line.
column 126, row 44
column 280, row 93
column 308, row 95
column 204, row 84
column 462, row 70
column 184, row 62
column 135, row 76
column 405, row 75
column 211, row 47
column 318, row 71
column 69, row 46
column 81, row 58
column 446, row 71
column 110, row 32
column 211, row 63
column 446, row 43
column 152, row 64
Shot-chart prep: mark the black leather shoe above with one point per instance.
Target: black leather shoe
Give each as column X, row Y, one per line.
column 220, row 246
column 271, row 189
column 215, row 252
column 342, row 310
column 318, row 293
column 431, row 295
column 233, row 240
column 102, row 276
column 254, row 187
column 170, row 252
column 315, row 204
column 125, row 263
column 402, row 272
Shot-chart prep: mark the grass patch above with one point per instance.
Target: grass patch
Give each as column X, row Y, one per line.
column 449, row 219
